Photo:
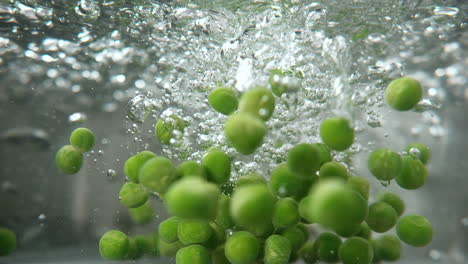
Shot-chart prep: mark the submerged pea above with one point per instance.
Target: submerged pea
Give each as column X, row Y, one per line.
column 193, row 254
column 133, row 195
column 413, row 174
column 382, row 217
column 333, row 170
column 304, row 159
column 142, row 214
column 217, row 165
column 114, row 245
column 415, row 230
column 192, row 197
column 252, row 204
column 168, row 229
column 223, row 100
column 7, row 241
column 194, row 231
column 258, row 102
column 403, row 94
column 69, row 160
column 245, row 132
column 356, row 250
column 133, row 165
column 337, row 133
column 82, row 139
column 242, row 248
column 387, row 247
column 191, row 168
column 421, row 151
column 384, row 164
column 285, row 213
column 393, row 200
column 277, row 250
column 157, row 174
column 165, row 128
column 283, row 182
column 326, row 247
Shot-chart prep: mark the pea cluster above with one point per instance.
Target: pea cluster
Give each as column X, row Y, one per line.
column 216, row 219
column 69, row 158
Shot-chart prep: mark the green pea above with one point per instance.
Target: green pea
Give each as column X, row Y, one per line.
column 69, row 160
column 335, row 205
column 393, row 200
column 304, row 159
column 242, row 248
column 223, row 100
column 305, row 186
column 260, row 230
column 384, row 164
column 114, row 245
column 277, row 250
column 223, row 216
column 259, row 102
column 304, row 228
column 218, row 236
column 194, row 231
column 388, row 248
column 285, row 213
column 348, row 230
column 245, row 132
column 165, row 128
column 307, row 253
column 422, row 152
column 134, row 251
column 325, row 155
column 218, row 256
column 278, row 86
column 296, row 237
column 157, row 174
column 191, row 168
column 133, row 164
column 168, row 229
column 382, row 217
column 193, row 254
column 326, row 247
column 142, row 214
column 413, row 174
column 283, row 182
column 133, row 195
column 252, row 204
column 364, row 231
column 252, row 178
column 360, row 185
column 169, row 249
column 305, row 206
column 145, row 244
column 356, row 250
column 415, row 230
column 403, row 94
column 337, row 133
column 7, row 241
column 82, row 139
column 333, row 170
column 217, row 165
column 192, row 197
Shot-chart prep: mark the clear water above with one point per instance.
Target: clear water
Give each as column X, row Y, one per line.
column 117, row 66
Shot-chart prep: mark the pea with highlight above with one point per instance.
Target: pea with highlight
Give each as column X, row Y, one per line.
column 133, row 165
column 258, row 102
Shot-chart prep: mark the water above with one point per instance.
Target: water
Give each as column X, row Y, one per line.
column 119, row 66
